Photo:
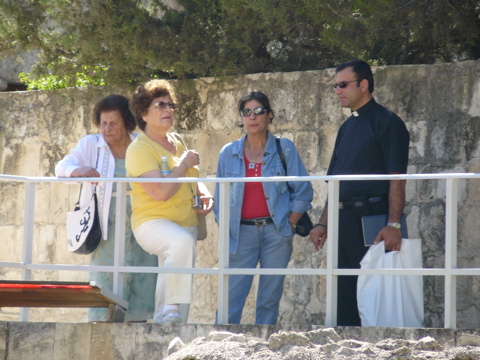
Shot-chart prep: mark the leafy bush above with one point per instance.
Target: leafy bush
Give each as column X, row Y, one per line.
column 83, row 42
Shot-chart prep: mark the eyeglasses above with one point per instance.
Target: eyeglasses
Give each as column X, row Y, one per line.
column 163, row 105
column 344, row 84
column 256, row 111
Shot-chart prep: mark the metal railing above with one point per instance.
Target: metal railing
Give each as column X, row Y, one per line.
column 450, row 272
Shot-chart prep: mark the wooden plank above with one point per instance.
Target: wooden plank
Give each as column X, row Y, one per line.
column 56, row 294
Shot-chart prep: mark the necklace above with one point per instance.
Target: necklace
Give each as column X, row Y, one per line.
column 253, row 160
column 253, row 153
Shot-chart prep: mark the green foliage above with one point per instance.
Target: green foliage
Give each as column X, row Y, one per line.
column 125, row 41
column 408, row 31
column 83, row 77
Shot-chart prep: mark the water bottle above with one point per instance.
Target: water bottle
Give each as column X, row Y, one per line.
column 164, row 169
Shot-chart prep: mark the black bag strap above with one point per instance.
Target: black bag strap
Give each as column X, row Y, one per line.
column 282, row 159
column 77, row 205
column 304, row 224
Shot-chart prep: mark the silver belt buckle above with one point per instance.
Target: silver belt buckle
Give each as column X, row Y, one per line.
column 260, row 222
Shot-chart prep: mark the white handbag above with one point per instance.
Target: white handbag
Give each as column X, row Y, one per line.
column 391, row 300
column 83, row 228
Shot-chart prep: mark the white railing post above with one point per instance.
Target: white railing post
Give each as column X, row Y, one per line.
column 332, row 253
column 223, row 251
column 119, row 246
column 451, row 213
column 28, row 238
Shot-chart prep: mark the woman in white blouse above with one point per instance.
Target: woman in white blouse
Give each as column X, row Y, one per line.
column 103, row 155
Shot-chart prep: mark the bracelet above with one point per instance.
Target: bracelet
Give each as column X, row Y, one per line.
column 183, row 162
column 325, row 226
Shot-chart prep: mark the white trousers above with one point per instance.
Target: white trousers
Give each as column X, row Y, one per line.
column 175, row 247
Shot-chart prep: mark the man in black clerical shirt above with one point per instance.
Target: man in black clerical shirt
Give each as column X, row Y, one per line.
column 373, row 140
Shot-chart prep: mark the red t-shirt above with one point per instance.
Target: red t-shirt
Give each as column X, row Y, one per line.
column 254, row 203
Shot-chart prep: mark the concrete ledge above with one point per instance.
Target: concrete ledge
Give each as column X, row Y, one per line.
column 89, row 341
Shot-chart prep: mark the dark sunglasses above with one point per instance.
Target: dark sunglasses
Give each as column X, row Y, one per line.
column 256, row 111
column 163, row 105
column 344, row 84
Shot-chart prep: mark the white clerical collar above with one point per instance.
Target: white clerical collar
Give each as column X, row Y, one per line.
column 355, row 113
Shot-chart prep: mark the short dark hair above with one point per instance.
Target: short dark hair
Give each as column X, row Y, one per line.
column 260, row 97
column 361, row 69
column 114, row 103
column 145, row 94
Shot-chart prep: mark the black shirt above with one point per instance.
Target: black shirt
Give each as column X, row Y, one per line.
column 374, row 142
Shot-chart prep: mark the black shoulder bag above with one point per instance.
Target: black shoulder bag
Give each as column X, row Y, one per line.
column 304, row 225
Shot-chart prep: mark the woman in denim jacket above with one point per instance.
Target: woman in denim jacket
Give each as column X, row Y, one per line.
column 262, row 215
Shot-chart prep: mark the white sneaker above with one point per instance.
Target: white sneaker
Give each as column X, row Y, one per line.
column 171, row 317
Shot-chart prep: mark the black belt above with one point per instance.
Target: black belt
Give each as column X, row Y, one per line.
column 257, row 222
column 375, row 199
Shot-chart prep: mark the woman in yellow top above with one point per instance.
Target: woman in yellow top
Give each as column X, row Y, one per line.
column 164, row 220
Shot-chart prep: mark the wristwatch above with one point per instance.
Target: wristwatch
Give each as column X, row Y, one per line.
column 394, row 225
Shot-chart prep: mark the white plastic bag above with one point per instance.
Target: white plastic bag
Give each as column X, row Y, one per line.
column 391, row 300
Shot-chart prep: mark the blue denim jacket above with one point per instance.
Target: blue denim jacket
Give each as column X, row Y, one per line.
column 280, row 201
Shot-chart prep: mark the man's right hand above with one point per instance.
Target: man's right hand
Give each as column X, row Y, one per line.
column 318, row 236
column 84, row 171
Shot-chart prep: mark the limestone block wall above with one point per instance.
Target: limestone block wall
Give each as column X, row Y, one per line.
column 439, row 103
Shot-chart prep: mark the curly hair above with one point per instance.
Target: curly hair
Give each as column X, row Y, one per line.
column 114, row 103
column 145, row 94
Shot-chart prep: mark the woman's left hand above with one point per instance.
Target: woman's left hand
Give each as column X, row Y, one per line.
column 207, row 201
column 206, row 198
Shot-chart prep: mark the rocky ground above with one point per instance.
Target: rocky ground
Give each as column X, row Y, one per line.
column 317, row 344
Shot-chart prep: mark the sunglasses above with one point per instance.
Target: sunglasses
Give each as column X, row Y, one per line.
column 163, row 105
column 256, row 111
column 344, row 84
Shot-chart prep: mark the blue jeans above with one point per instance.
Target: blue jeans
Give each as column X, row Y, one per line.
column 266, row 245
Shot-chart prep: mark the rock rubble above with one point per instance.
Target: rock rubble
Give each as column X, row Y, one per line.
column 316, row 344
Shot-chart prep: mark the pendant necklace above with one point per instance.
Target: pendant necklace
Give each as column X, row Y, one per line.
column 252, row 162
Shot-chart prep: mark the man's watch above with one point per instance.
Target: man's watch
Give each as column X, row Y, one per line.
column 394, row 225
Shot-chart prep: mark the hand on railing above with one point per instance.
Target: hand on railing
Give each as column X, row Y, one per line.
column 85, row 171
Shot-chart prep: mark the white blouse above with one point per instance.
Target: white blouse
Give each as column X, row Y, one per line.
column 93, row 151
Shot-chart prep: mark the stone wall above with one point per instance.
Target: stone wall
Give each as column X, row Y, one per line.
column 100, row 341
column 12, row 66
column 439, row 103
